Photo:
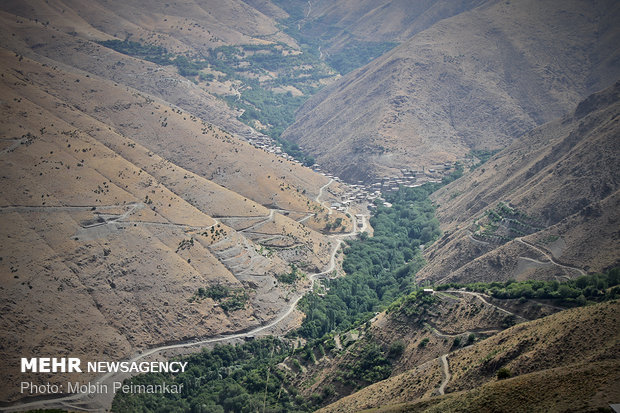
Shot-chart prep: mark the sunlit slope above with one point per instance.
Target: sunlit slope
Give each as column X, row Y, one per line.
column 477, row 80
column 186, row 26
column 423, row 331
column 64, row 49
column 106, row 242
column 557, row 363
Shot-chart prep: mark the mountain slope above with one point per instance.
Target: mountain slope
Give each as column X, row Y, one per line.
column 556, row 363
column 474, row 81
column 118, row 207
column 410, row 335
column 71, row 47
column 346, row 28
column 547, row 206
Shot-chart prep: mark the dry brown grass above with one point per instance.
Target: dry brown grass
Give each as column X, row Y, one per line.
column 78, row 150
column 567, row 360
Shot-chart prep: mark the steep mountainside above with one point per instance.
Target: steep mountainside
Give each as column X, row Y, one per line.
column 352, row 32
column 474, row 81
column 122, row 207
column 415, row 334
column 556, row 362
column 546, row 207
column 147, row 212
column 63, row 34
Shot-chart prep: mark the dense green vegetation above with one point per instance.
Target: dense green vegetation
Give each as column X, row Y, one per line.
column 482, row 155
column 152, row 53
column 371, row 365
column 229, row 378
column 456, row 174
column 265, row 103
column 416, row 303
column 260, row 100
column 591, row 287
column 290, row 277
column 312, row 34
column 244, row 378
column 366, row 360
column 379, row 269
column 504, row 223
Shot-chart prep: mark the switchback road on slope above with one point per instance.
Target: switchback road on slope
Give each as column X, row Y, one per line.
column 549, row 256
column 102, row 401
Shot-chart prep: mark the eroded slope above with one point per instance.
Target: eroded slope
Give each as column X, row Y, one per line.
column 108, row 234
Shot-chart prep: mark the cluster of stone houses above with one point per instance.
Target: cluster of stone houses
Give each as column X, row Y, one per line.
column 363, row 193
column 267, row 144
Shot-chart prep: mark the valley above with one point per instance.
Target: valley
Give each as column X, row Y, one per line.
column 318, row 205
column 102, row 401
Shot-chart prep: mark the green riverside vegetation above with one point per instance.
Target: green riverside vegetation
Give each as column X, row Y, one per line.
column 578, row 291
column 245, row 378
column 380, row 273
column 269, row 81
column 379, row 268
column 312, row 33
column 229, row 299
column 263, row 76
column 239, row 378
column 482, row 155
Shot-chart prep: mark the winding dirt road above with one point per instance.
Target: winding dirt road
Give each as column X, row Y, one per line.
column 481, row 298
column 103, row 401
column 446, row 374
column 549, row 256
column 318, row 197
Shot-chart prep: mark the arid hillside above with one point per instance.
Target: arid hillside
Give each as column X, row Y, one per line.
column 187, row 26
column 477, row 80
column 150, row 204
column 364, row 27
column 413, row 334
column 545, row 207
column 64, row 33
column 130, row 220
column 555, row 363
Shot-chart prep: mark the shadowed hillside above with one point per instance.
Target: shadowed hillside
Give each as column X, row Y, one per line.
column 545, row 207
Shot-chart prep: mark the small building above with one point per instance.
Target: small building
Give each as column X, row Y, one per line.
column 428, row 291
